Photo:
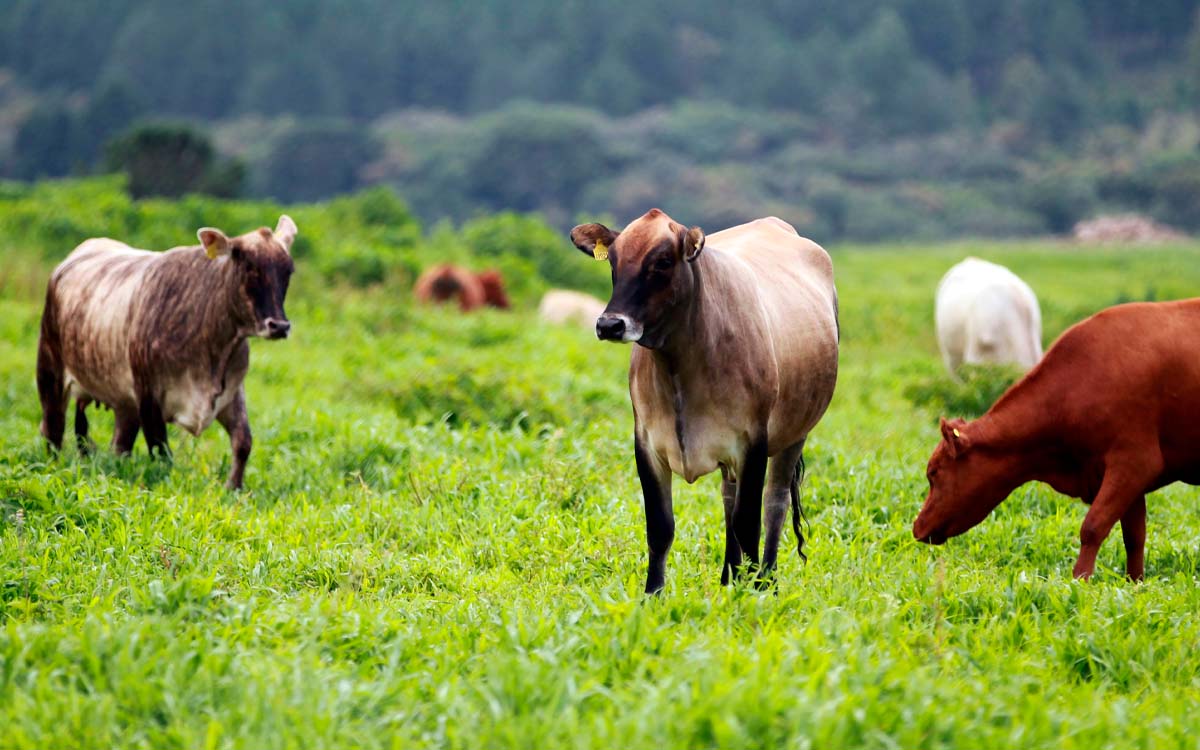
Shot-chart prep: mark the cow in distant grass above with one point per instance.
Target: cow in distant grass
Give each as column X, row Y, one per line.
column 161, row 337
column 1110, row 414
column 494, row 295
column 446, row 283
column 735, row 363
column 562, row 306
column 987, row 315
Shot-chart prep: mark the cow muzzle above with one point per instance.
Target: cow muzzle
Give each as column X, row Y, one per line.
column 275, row 328
column 923, row 531
column 617, row 327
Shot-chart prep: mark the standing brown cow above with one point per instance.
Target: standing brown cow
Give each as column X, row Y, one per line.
column 1111, row 413
column 161, row 337
column 736, row 361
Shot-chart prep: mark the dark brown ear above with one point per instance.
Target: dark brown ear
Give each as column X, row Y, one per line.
column 693, row 243
column 587, row 236
column 955, row 436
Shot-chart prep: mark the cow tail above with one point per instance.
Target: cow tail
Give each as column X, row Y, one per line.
column 798, row 509
column 50, row 378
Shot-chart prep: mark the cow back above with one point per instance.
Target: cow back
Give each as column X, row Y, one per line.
column 94, row 295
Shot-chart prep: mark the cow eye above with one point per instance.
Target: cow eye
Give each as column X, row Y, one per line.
column 664, row 263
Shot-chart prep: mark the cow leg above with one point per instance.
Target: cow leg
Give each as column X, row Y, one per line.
column 53, row 393
column 1117, row 494
column 237, row 423
column 1133, row 531
column 154, row 427
column 747, row 513
column 125, row 430
column 783, row 477
column 81, row 426
column 655, row 477
column 733, row 552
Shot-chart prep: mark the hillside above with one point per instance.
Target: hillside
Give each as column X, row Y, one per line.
column 856, row 120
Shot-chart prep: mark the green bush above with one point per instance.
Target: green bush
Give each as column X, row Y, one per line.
column 980, row 386
column 171, row 159
column 1177, row 194
column 317, row 160
column 548, row 252
column 536, row 159
column 1061, row 199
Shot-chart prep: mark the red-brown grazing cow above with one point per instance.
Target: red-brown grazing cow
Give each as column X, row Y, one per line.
column 446, row 282
column 736, row 362
column 161, row 337
column 1111, row 413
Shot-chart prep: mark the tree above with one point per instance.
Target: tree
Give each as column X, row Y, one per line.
column 315, row 161
column 42, row 147
column 110, row 110
column 1191, row 84
column 1062, row 108
column 167, row 159
column 533, row 159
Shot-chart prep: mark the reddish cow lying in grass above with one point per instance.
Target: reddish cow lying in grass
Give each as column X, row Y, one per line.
column 447, row 282
column 1111, row 413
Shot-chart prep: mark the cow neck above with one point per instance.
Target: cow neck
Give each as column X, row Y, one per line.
column 1021, row 424
column 684, row 345
column 686, row 350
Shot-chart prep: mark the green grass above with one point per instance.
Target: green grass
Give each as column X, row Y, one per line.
column 441, row 544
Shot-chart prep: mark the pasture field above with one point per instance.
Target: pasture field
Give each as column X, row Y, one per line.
column 441, row 545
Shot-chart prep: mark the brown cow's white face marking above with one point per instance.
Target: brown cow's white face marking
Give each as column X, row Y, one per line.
column 618, row 327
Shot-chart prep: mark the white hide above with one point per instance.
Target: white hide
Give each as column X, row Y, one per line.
column 987, row 315
column 562, row 306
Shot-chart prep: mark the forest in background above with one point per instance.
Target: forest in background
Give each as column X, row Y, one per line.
column 855, row 120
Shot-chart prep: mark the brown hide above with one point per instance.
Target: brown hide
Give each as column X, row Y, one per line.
column 735, row 362
column 161, row 337
column 493, row 289
column 448, row 282
column 1111, row 413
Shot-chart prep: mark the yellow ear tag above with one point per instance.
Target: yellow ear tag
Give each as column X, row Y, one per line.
column 600, row 252
column 211, row 251
column 957, row 433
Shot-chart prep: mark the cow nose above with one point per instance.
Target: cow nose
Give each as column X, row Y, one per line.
column 278, row 329
column 609, row 328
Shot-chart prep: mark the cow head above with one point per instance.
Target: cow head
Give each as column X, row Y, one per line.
column 262, row 264
column 493, row 289
column 651, row 272
column 966, row 483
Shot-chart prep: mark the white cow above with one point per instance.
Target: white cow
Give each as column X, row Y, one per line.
column 986, row 314
column 563, row 306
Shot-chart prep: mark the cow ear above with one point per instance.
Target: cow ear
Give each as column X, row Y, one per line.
column 285, row 232
column 956, row 439
column 593, row 238
column 214, row 241
column 693, row 243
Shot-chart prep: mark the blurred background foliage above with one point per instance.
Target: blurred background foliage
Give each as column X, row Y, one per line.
column 855, row 120
column 365, row 239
